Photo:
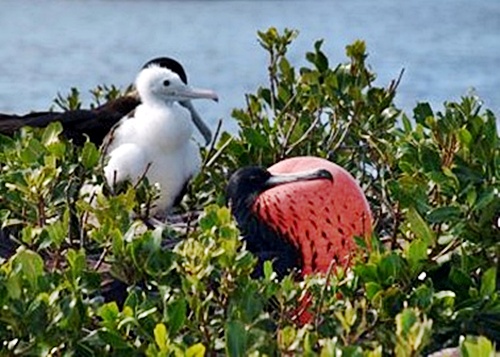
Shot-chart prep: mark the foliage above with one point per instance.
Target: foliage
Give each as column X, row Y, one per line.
column 429, row 280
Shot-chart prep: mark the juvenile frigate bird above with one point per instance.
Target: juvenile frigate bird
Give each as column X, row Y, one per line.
column 155, row 140
column 302, row 214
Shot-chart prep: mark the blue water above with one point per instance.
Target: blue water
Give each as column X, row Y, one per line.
column 447, row 48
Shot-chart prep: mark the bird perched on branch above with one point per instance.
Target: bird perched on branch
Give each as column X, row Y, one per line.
column 302, row 214
column 144, row 133
column 155, row 140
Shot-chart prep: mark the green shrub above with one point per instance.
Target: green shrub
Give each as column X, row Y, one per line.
column 429, row 279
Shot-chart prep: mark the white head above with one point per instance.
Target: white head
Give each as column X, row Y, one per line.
column 156, row 84
column 163, row 81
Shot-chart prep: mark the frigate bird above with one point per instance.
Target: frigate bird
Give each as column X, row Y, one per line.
column 260, row 230
column 155, row 140
column 302, row 214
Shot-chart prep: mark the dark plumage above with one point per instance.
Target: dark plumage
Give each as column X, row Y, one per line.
column 261, row 237
column 171, row 64
column 77, row 124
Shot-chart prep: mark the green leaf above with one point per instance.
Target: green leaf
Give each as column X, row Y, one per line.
column 289, row 334
column 224, row 215
column 488, row 282
column 413, row 330
column 109, row 312
column 330, row 348
column 236, row 339
column 390, row 268
column 405, row 320
column 161, row 336
column 176, row 312
column 417, row 252
column 485, row 198
column 460, row 278
column 256, row 138
column 268, row 270
column 113, row 339
column 445, row 299
column 477, row 347
column 318, row 58
column 266, row 94
column 32, row 152
column 465, row 137
column 419, row 227
column 286, row 69
column 421, row 112
column 13, row 285
column 196, row 350
column 76, row 260
column 30, row 264
column 372, row 289
column 28, row 234
column 443, row 214
column 6, row 142
column 406, row 123
column 422, row 297
column 51, row 133
column 356, row 49
column 430, row 159
column 90, row 155
column 57, row 232
column 367, row 272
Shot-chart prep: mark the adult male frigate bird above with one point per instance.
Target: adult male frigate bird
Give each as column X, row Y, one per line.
column 302, row 214
column 155, row 140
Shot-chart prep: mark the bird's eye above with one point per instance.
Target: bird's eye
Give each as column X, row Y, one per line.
column 166, row 82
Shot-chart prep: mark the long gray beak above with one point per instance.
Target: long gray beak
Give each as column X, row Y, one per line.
column 318, row 174
column 200, row 124
column 186, row 93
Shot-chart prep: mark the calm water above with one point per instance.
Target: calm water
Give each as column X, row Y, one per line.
column 446, row 47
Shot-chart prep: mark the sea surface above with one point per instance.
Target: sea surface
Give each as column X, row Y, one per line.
column 446, row 48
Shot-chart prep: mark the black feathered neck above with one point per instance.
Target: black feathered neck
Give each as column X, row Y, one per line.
column 243, row 189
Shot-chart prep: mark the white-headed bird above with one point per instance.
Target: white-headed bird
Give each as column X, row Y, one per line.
column 155, row 140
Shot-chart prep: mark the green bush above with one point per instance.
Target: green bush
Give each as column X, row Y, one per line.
column 428, row 282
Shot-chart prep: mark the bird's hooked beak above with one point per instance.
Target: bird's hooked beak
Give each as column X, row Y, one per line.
column 318, row 174
column 187, row 93
column 193, row 93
